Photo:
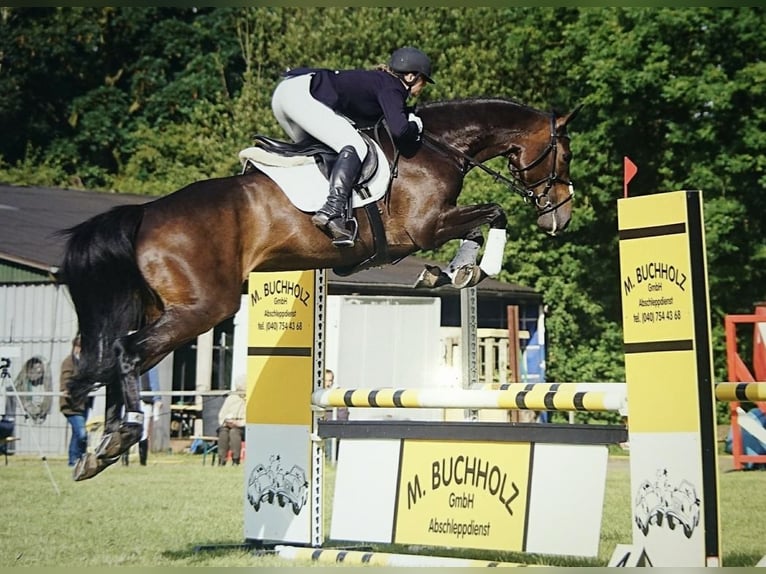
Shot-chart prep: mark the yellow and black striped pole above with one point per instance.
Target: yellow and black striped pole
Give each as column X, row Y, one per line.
column 519, row 396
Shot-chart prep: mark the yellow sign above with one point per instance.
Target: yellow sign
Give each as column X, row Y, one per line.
column 656, row 271
column 463, row 494
column 280, row 347
column 668, row 370
column 281, row 310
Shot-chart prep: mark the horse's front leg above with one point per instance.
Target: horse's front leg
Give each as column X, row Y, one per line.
column 465, row 223
column 119, row 433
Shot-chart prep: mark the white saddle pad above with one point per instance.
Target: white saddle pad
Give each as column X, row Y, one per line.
column 303, row 183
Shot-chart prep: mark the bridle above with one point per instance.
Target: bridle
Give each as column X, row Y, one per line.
column 517, row 184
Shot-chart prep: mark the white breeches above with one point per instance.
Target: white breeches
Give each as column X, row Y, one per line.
column 300, row 115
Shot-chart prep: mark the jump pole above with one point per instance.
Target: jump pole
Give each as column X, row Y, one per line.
column 668, row 372
column 570, row 397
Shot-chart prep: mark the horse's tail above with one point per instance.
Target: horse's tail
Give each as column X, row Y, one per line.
column 107, row 289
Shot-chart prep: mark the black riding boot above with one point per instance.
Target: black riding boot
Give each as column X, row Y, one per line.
column 330, row 216
column 143, row 451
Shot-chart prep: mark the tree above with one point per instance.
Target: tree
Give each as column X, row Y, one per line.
column 149, row 99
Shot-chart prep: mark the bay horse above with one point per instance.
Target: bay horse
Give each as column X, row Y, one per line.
column 145, row 279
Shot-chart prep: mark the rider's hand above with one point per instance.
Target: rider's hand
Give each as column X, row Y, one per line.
column 417, row 121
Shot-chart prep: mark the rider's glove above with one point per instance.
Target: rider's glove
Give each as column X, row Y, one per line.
column 417, row 121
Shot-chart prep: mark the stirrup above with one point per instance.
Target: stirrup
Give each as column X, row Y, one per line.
column 348, row 236
column 343, row 242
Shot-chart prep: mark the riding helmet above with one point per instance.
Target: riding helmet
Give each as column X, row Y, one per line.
column 410, row 59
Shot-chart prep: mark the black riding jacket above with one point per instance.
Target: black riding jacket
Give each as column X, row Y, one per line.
column 364, row 96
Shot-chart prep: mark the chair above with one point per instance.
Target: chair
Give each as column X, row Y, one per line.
column 209, row 446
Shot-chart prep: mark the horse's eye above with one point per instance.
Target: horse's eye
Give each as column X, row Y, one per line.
column 568, row 157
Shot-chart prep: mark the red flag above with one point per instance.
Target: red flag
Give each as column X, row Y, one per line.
column 630, row 169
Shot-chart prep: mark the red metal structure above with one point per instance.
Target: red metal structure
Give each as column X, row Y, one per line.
column 739, row 372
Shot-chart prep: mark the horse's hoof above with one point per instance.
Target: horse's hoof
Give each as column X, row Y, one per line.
column 109, row 447
column 129, row 435
column 427, row 277
column 431, row 277
column 466, row 276
column 89, row 465
column 478, row 276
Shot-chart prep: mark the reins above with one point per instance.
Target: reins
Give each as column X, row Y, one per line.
column 517, row 184
column 439, row 145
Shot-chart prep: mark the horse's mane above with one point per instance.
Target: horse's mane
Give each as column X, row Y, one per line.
column 448, row 114
column 476, row 100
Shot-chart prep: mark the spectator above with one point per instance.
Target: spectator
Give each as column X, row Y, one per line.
column 75, row 411
column 231, row 429
column 35, row 378
column 329, row 379
column 7, row 419
column 338, row 414
column 151, row 405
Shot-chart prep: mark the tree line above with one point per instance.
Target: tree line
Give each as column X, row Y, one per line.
column 146, row 100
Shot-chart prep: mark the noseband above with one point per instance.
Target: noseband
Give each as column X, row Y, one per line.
column 517, row 185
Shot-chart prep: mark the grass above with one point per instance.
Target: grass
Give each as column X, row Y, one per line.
column 156, row 516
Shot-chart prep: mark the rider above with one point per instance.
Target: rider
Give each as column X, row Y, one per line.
column 324, row 104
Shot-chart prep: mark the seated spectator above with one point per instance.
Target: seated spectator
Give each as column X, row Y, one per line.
column 231, row 429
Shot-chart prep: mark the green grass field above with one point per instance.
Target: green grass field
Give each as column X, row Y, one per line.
column 156, row 516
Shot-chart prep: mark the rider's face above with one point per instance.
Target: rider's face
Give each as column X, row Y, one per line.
column 418, row 86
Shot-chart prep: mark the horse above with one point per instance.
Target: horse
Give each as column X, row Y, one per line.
column 145, row 279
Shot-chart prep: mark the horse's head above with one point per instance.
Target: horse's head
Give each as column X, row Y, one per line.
column 541, row 162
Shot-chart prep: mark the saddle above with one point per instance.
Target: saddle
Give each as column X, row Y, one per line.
column 321, row 153
column 273, row 156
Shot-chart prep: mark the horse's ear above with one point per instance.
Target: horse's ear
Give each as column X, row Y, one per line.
column 571, row 115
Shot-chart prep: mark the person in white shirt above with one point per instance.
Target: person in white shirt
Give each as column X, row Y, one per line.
column 231, row 429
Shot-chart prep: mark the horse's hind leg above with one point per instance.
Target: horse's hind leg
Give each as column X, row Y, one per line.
column 119, row 433
column 91, row 463
column 129, row 431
